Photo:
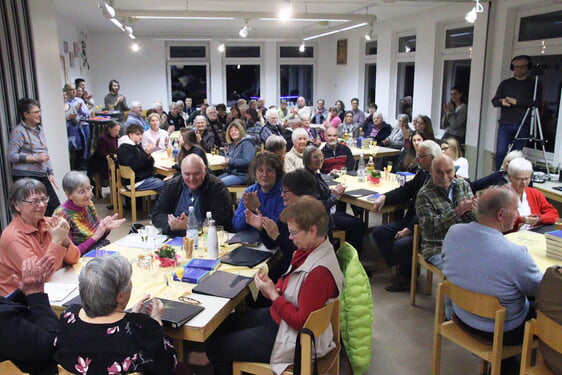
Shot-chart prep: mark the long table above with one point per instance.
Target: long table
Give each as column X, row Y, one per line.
column 163, row 165
column 548, row 191
column 352, row 183
column 152, row 281
column 536, row 245
column 376, row 151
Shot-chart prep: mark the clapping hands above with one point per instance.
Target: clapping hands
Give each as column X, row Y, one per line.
column 34, row 274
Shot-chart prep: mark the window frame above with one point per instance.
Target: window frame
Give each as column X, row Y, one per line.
column 402, row 57
column 186, row 61
column 297, row 61
column 243, row 61
column 368, row 60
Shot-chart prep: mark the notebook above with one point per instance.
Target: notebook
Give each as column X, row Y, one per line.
column 222, row 284
column 98, row 253
column 359, row 192
column 244, row 256
column 192, row 275
column 176, row 313
column 206, row 264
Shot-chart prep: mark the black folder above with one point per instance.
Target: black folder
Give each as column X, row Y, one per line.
column 244, row 256
column 222, row 284
column 359, row 192
column 247, row 237
column 176, row 313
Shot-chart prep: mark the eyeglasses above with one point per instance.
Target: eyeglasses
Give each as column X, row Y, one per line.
column 37, row 202
column 285, row 191
column 522, row 179
column 191, row 301
column 88, row 190
column 294, row 232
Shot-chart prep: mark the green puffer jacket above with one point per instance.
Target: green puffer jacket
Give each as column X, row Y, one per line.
column 356, row 310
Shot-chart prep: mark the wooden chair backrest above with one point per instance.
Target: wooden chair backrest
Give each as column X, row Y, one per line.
column 549, row 331
column 476, row 303
column 416, row 238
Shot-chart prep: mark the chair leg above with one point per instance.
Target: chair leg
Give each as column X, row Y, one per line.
column 483, row 367
column 428, row 282
column 415, row 266
column 120, row 205
column 97, row 183
column 134, row 208
column 436, row 364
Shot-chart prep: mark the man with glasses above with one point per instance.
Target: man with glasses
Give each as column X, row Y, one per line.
column 514, row 96
column 394, row 240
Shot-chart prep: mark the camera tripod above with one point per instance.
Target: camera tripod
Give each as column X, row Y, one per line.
column 535, row 130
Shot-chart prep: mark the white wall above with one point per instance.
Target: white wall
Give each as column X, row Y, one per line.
column 142, row 74
column 48, row 74
column 70, row 33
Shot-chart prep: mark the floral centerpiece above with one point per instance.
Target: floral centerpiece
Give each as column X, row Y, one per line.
column 166, row 255
column 374, row 176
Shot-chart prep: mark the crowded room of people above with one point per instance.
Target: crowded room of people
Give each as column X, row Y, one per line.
column 276, row 187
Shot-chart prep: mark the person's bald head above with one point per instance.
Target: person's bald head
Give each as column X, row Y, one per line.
column 442, row 171
column 331, row 135
column 498, row 208
column 193, row 171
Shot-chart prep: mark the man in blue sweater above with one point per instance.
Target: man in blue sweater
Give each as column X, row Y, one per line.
column 477, row 257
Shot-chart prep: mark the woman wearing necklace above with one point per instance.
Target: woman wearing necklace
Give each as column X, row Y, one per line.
column 27, row 150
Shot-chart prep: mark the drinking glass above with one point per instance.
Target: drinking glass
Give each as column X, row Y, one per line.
column 343, row 174
column 389, row 166
column 143, row 232
column 222, row 236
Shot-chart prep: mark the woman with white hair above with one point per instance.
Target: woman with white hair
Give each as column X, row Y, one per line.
column 293, row 158
column 100, row 337
column 87, row 231
column 533, row 209
column 497, row 177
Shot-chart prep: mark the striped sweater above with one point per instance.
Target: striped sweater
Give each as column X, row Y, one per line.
column 83, row 223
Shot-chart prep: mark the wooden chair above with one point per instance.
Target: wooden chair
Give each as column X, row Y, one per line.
column 8, row 368
column 97, row 185
column 417, row 260
column 550, row 333
column 113, row 192
column 340, row 235
column 317, row 322
column 130, row 191
column 234, row 190
column 479, row 304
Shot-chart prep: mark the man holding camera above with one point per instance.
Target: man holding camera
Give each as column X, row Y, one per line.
column 514, row 96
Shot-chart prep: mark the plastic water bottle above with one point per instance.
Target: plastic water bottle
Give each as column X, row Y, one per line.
column 361, row 169
column 212, row 240
column 192, row 229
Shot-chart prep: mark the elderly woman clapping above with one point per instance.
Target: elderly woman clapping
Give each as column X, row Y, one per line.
column 86, row 229
column 32, row 235
column 533, row 209
column 293, row 158
column 100, row 337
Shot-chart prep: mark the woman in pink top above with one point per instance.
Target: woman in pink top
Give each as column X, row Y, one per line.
column 333, row 119
column 31, row 235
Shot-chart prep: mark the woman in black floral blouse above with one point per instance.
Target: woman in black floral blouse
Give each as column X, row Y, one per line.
column 99, row 337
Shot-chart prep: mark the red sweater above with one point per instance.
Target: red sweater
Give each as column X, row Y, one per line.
column 539, row 206
column 316, row 289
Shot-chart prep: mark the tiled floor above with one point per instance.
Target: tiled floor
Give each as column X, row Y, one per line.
column 402, row 334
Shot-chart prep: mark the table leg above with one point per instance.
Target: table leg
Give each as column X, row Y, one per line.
column 178, row 344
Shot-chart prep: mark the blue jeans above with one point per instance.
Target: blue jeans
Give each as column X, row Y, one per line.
column 151, row 183
column 232, row 179
column 506, row 134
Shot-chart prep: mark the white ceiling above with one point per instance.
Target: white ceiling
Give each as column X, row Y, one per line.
column 86, row 15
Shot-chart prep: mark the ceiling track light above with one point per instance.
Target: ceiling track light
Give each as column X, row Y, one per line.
column 302, row 47
column 106, row 9
column 335, row 31
column 221, row 47
column 244, row 31
column 472, row 14
column 369, row 34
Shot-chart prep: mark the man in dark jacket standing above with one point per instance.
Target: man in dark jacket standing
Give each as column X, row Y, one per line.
column 394, row 240
column 197, row 188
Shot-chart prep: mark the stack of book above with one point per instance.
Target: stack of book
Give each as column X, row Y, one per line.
column 554, row 244
column 197, row 269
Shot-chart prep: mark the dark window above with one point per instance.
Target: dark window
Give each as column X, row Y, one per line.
column 294, row 52
column 541, row 26
column 189, row 81
column 370, row 83
column 242, row 51
column 296, row 80
column 462, row 37
column 371, row 47
column 187, row 51
column 407, row 43
column 242, row 81
column 405, row 85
